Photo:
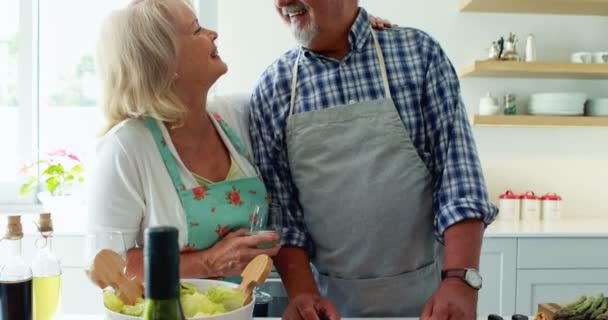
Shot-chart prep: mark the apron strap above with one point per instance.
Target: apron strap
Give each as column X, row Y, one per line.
column 232, row 136
column 294, row 83
column 387, row 88
column 168, row 157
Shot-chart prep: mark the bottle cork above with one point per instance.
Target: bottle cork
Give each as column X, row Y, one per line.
column 45, row 223
column 14, row 231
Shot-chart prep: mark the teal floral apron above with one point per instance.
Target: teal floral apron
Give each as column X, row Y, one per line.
column 215, row 210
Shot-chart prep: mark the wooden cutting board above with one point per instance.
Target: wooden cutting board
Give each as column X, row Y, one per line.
column 547, row 311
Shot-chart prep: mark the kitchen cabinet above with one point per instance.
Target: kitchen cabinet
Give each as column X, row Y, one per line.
column 547, row 285
column 498, row 269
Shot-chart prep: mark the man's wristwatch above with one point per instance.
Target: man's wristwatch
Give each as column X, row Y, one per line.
column 469, row 276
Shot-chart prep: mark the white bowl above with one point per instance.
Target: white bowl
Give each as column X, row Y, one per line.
column 243, row 313
column 597, row 107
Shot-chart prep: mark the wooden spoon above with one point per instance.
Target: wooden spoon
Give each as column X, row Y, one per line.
column 108, row 269
column 254, row 274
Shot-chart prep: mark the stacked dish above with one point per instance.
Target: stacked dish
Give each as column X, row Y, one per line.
column 558, row 104
column 597, row 107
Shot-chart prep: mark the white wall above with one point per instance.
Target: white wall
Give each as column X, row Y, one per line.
column 570, row 162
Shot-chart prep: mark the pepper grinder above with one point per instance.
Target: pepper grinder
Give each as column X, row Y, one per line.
column 530, row 48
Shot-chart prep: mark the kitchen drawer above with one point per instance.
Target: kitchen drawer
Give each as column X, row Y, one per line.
column 562, row 253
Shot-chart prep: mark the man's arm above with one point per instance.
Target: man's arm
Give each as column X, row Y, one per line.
column 463, row 244
column 460, row 197
column 267, row 121
column 269, row 149
column 293, row 264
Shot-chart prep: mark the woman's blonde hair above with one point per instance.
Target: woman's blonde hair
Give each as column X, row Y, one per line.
column 136, row 55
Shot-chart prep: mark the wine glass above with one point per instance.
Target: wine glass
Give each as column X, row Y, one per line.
column 97, row 241
column 262, row 221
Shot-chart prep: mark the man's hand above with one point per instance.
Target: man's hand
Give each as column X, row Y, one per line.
column 453, row 300
column 380, row 23
column 310, row 307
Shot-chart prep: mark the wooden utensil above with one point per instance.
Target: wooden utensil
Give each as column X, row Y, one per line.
column 254, row 274
column 108, row 270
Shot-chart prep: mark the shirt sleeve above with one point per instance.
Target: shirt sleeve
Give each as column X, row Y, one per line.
column 460, row 190
column 270, row 152
column 115, row 193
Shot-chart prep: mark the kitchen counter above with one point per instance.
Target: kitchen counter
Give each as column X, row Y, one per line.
column 563, row 228
column 96, row 317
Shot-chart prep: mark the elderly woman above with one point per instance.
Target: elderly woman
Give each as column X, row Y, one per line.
column 167, row 158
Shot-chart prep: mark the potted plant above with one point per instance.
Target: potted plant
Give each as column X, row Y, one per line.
column 56, row 177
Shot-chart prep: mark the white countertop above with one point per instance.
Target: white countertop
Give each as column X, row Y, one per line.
column 566, row 228
column 99, row 317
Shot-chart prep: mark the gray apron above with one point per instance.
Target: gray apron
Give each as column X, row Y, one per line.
column 367, row 202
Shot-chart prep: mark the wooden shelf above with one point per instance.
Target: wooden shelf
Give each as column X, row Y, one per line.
column 539, row 121
column 569, row 7
column 551, row 70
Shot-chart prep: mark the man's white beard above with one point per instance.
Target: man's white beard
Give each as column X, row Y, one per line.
column 305, row 35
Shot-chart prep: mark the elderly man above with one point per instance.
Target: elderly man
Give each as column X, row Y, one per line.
column 364, row 145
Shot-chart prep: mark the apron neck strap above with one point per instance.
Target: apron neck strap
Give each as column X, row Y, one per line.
column 168, row 157
column 387, row 88
column 294, row 82
column 232, row 136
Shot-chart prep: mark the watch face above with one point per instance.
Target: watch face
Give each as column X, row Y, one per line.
column 473, row 278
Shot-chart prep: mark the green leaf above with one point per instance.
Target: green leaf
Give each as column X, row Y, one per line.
column 28, row 187
column 54, row 169
column 52, row 183
column 77, row 169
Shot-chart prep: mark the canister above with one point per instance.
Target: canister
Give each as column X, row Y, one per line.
column 551, row 205
column 509, row 206
column 530, row 207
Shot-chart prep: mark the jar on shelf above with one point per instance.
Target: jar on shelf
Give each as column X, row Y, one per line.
column 551, row 206
column 530, row 207
column 509, row 206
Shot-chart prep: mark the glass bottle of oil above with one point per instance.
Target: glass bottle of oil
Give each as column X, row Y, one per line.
column 15, row 275
column 46, row 270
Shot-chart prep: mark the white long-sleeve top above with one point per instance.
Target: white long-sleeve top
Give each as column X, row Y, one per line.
column 130, row 188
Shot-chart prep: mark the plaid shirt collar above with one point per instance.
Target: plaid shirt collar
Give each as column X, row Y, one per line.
column 358, row 36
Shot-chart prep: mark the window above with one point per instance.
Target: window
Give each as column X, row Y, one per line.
column 11, row 93
column 49, row 89
column 68, row 82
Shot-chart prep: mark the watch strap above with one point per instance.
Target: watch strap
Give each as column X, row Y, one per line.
column 454, row 273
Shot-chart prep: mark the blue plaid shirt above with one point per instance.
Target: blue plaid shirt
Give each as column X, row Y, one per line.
column 426, row 91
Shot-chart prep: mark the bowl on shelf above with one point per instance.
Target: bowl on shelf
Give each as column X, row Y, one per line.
column 597, row 107
column 558, row 103
column 243, row 313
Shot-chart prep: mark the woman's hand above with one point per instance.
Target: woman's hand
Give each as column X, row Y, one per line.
column 379, row 23
column 230, row 255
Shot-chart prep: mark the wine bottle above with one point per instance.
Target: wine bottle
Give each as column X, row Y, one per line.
column 15, row 276
column 46, row 271
column 161, row 274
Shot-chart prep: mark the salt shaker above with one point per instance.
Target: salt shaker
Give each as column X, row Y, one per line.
column 530, row 48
